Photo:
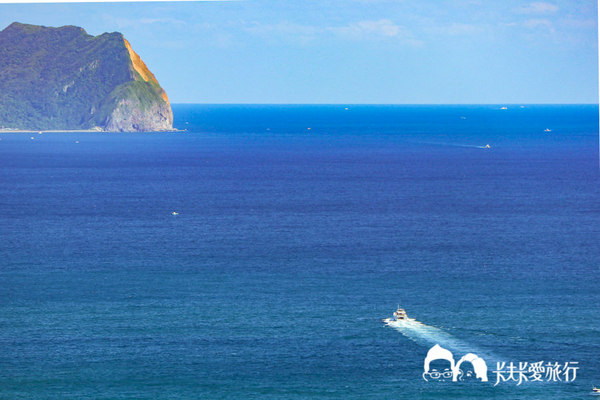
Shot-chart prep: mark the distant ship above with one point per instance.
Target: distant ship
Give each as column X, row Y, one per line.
column 504, row 108
column 596, row 390
column 487, row 146
column 547, row 130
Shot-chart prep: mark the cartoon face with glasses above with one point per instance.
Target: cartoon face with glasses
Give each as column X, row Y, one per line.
column 439, row 364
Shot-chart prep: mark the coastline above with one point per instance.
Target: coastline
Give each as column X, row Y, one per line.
column 80, row 131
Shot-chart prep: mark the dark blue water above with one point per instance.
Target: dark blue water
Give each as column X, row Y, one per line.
column 290, row 246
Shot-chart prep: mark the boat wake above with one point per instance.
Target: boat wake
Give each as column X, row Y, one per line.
column 428, row 336
column 471, row 146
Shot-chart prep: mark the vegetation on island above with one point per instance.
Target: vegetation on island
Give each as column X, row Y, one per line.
column 64, row 78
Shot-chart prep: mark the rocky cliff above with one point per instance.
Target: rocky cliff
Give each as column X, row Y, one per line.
column 63, row 78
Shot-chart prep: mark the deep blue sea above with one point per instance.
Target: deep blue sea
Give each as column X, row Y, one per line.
column 290, row 246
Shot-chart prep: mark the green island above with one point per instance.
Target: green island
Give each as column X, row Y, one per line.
column 65, row 79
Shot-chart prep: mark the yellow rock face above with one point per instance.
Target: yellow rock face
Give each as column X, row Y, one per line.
column 140, row 67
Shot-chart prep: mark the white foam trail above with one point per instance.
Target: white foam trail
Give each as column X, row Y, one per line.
column 472, row 146
column 428, row 336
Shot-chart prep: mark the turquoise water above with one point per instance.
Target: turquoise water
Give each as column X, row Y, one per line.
column 292, row 244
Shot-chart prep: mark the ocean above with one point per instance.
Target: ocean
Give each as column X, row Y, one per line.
column 297, row 229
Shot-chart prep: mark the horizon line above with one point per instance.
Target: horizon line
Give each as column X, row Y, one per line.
column 382, row 104
column 106, row 1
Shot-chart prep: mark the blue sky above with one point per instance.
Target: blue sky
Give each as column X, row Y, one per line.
column 352, row 51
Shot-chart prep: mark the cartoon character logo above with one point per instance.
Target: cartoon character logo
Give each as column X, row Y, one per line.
column 477, row 369
column 443, row 360
column 439, row 365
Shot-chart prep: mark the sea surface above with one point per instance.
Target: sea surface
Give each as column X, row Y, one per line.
column 299, row 228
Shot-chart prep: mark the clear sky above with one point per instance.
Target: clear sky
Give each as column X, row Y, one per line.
column 352, row 51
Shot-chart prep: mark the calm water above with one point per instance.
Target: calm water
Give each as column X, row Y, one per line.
column 290, row 246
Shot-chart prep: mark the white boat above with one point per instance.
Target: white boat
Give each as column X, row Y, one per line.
column 595, row 389
column 399, row 315
column 547, row 130
column 487, row 146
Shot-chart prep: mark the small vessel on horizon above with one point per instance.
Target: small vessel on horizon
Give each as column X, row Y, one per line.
column 487, row 146
column 547, row 130
column 596, row 390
